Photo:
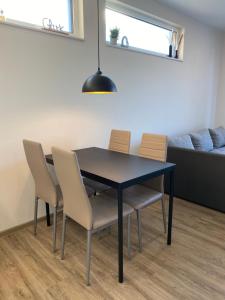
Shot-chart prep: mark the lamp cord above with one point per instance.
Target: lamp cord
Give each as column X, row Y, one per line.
column 98, row 38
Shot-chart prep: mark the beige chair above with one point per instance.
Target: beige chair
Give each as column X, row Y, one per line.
column 140, row 196
column 46, row 188
column 93, row 215
column 153, row 146
column 119, row 142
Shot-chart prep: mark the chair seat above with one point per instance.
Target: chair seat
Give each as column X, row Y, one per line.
column 98, row 187
column 90, row 191
column 138, row 196
column 105, row 210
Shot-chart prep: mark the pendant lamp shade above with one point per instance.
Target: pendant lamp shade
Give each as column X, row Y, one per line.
column 98, row 83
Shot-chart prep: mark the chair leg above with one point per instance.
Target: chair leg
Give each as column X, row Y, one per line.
column 54, row 228
column 47, row 214
column 63, row 236
column 35, row 215
column 164, row 214
column 139, row 229
column 128, row 236
column 88, row 257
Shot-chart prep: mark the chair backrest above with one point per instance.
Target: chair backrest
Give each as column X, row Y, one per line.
column 154, row 146
column 120, row 141
column 76, row 202
column 45, row 188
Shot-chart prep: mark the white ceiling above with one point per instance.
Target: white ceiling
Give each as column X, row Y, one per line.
column 211, row 12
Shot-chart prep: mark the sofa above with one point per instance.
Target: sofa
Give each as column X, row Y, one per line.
column 200, row 167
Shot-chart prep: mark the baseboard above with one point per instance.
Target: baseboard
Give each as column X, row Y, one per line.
column 18, row 227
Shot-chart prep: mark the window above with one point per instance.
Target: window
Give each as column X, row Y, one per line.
column 63, row 17
column 143, row 32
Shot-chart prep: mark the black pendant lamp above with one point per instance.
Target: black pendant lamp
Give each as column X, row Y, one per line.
column 98, row 83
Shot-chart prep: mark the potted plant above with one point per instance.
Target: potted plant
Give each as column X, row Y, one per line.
column 114, row 34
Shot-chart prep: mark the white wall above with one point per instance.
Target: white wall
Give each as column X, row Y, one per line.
column 40, row 96
column 220, row 107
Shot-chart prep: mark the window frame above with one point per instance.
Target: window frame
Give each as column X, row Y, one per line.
column 77, row 23
column 147, row 17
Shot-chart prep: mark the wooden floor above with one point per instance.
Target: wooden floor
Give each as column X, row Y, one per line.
column 192, row 268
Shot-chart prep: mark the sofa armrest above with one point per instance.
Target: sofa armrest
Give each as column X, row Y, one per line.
column 199, row 176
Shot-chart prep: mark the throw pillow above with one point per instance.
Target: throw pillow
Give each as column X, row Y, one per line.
column 218, row 137
column 183, row 141
column 202, row 140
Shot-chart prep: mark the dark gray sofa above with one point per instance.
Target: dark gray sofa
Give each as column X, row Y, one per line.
column 199, row 175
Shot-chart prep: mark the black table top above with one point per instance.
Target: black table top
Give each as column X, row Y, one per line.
column 114, row 168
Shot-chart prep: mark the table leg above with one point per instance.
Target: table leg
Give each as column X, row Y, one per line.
column 120, row 233
column 47, row 214
column 170, row 215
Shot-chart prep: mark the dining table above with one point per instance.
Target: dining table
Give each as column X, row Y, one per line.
column 121, row 171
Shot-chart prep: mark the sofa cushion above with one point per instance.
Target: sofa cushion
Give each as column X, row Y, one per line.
column 202, row 140
column 218, row 136
column 183, row 141
column 219, row 150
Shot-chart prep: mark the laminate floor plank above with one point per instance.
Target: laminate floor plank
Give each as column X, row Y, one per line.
column 192, row 268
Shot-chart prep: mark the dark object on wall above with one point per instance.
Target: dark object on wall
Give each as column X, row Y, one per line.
column 199, row 177
column 97, row 83
column 170, row 51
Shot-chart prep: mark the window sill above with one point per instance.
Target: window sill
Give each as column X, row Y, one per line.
column 137, row 50
column 38, row 29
